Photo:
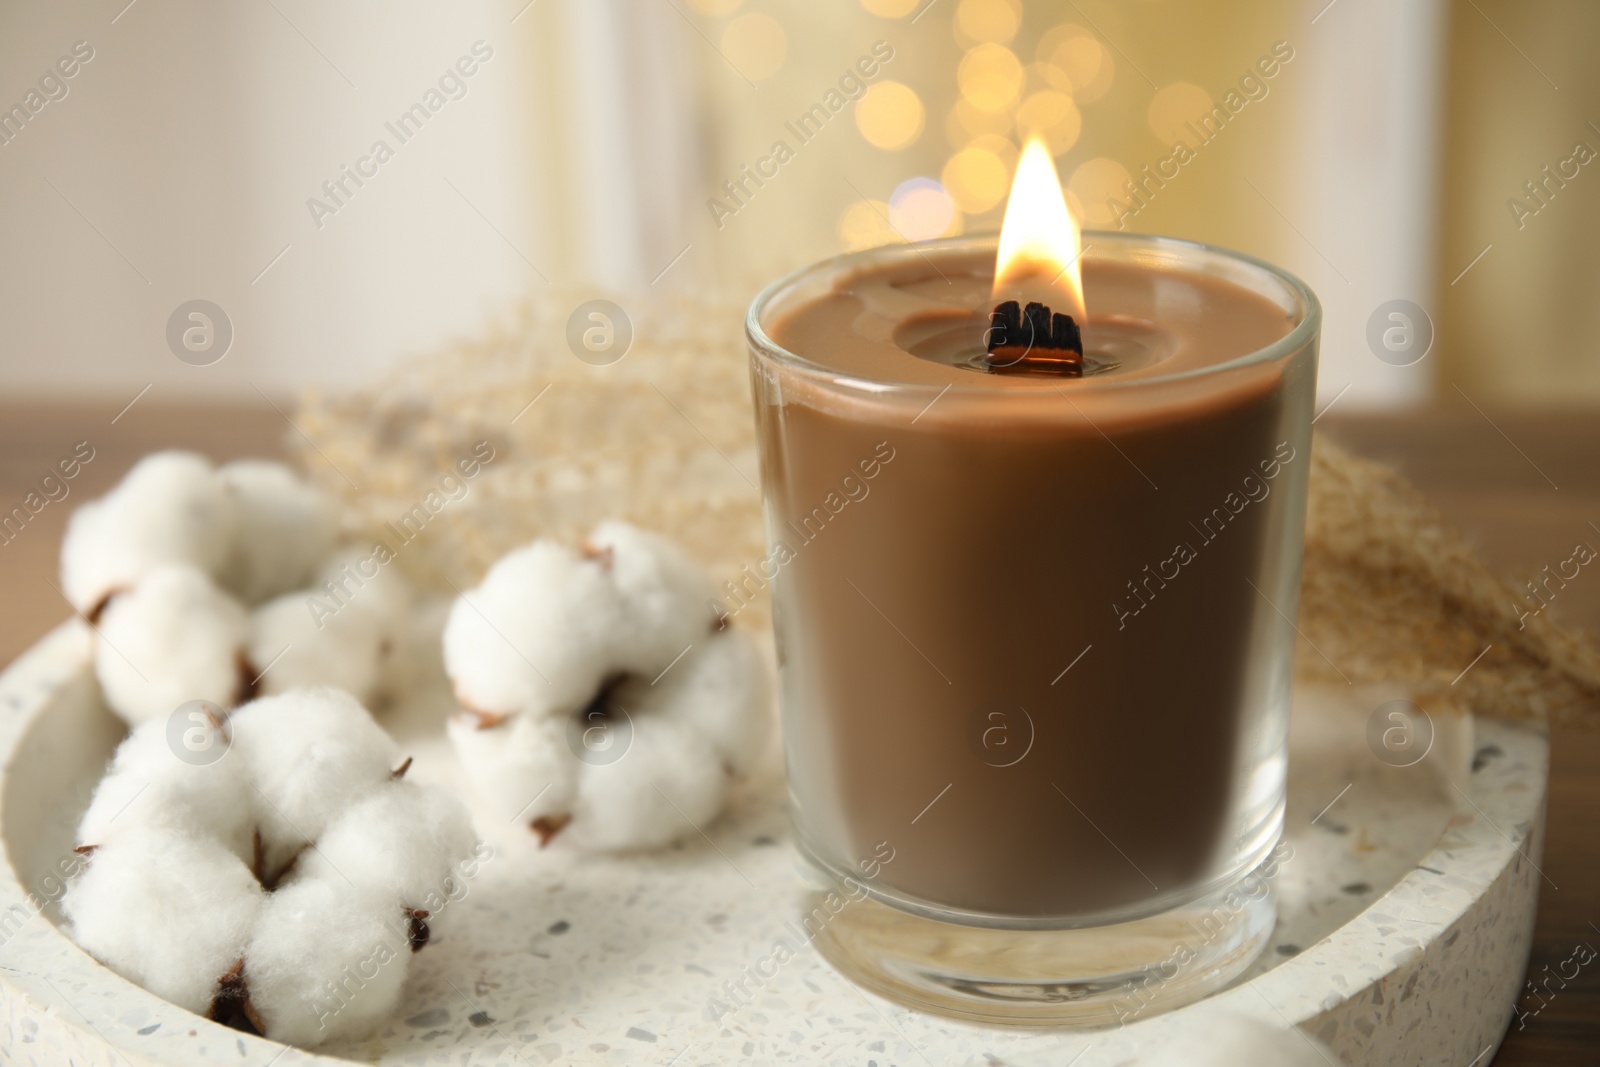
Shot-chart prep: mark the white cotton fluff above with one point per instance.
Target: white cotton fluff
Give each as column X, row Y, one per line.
column 324, row 962
column 1226, row 1039
column 666, row 786
column 298, row 855
column 523, row 769
column 172, row 638
column 309, row 754
column 664, row 595
column 700, row 724
column 412, row 662
column 292, row 650
column 148, row 787
column 627, row 619
column 284, row 527
column 343, row 632
column 168, row 910
column 720, row 690
column 255, row 530
column 535, row 635
column 169, row 508
column 400, row 843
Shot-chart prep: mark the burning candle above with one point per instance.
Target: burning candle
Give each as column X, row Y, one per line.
column 1037, row 506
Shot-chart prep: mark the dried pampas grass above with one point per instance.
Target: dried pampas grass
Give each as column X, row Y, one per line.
column 1391, row 594
column 665, row 438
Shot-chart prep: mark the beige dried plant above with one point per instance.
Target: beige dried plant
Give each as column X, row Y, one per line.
column 665, row 438
column 1391, row 594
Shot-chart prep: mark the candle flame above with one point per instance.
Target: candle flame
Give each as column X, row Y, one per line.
column 1040, row 241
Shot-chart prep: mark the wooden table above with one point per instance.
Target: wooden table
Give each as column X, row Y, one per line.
column 1525, row 486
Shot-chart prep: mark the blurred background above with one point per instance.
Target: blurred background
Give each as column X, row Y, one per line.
column 351, row 185
column 1433, row 151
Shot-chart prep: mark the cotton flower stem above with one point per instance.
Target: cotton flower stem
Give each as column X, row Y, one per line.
column 548, row 826
column 231, row 1007
column 249, row 679
column 417, row 928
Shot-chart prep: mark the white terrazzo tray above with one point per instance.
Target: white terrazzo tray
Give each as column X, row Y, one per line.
column 1406, row 915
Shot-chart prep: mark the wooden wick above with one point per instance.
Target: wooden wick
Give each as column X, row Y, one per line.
column 1033, row 339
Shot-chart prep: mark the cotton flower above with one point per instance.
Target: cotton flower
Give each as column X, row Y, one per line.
column 324, row 963
column 150, row 788
column 601, row 701
column 397, row 845
column 169, row 561
column 173, row 637
column 282, row 885
column 170, row 910
column 170, row 508
column 1211, row 1038
column 308, row 754
column 284, row 528
column 536, row 636
column 342, row 631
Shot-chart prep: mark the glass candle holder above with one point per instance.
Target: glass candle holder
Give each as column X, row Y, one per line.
column 1034, row 634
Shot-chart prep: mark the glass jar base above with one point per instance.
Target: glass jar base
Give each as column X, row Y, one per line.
column 1086, row 977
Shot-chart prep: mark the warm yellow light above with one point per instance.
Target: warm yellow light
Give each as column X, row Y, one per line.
column 1040, row 244
column 890, row 9
column 756, row 45
column 1073, row 60
column 1052, row 115
column 921, row 210
column 1002, row 147
column 966, row 122
column 976, row 177
column 715, row 7
column 994, row 21
column 865, row 224
column 1100, row 185
column 1173, row 108
column 889, row 116
column 990, row 77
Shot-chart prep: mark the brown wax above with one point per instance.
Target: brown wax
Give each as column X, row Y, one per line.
column 1006, row 527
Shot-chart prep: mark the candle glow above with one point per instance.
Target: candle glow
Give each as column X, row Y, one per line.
column 1040, row 240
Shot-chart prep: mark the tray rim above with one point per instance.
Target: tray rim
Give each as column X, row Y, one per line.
column 50, row 1000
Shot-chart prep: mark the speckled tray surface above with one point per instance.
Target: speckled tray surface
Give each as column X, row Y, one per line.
column 1406, row 914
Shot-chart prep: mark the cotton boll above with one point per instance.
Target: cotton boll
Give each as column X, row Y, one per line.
column 285, row 527
column 413, row 662
column 310, row 753
column 324, row 962
column 168, row 509
column 121, row 798
column 1224, row 1039
column 174, row 637
column 342, row 632
column 359, row 867
column 704, row 720
column 399, row 844
column 353, row 578
column 166, row 910
column 359, row 584
column 298, row 645
column 721, row 690
column 664, row 594
column 523, row 769
column 623, row 631
column 666, row 786
column 140, row 761
column 535, row 635
column 148, row 787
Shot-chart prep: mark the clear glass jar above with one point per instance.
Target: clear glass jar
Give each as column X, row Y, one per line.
column 1034, row 648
